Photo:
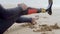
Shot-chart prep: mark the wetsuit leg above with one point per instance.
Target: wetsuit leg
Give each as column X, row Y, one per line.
column 4, row 25
column 49, row 9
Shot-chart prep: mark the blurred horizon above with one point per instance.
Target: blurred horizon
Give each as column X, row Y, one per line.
column 30, row 3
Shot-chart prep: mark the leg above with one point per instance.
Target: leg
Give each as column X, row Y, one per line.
column 49, row 9
column 4, row 25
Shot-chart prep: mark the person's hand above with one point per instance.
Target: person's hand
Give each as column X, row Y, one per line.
column 24, row 6
column 33, row 21
column 43, row 10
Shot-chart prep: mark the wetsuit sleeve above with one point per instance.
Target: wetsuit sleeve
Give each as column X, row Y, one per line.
column 31, row 11
column 24, row 20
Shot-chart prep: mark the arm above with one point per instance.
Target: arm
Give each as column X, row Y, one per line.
column 30, row 10
column 41, row 10
column 24, row 20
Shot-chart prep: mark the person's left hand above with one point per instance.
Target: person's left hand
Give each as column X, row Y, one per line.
column 33, row 21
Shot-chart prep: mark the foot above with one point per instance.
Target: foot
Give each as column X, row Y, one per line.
column 49, row 11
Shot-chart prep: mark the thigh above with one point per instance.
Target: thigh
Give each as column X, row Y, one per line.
column 4, row 25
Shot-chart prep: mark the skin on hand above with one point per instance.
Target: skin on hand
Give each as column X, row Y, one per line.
column 34, row 21
column 43, row 10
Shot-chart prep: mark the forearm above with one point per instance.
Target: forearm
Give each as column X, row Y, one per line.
column 24, row 20
column 33, row 10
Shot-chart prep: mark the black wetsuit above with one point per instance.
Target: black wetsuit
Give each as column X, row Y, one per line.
column 9, row 16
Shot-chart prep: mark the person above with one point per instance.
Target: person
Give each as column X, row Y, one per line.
column 9, row 16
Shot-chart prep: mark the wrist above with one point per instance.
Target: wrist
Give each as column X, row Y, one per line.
column 43, row 10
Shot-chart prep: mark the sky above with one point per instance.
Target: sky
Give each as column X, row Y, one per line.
column 31, row 3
